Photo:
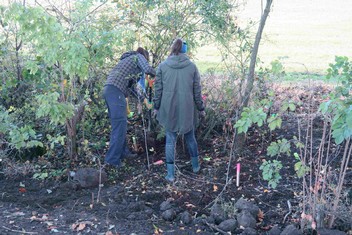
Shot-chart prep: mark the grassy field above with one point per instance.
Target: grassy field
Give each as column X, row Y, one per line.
column 306, row 33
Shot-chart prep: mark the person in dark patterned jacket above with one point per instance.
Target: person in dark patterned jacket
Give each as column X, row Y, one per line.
column 119, row 85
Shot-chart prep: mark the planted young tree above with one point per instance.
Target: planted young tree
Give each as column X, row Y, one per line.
column 324, row 172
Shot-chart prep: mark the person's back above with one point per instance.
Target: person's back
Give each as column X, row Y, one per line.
column 181, row 91
column 120, row 82
column 128, row 71
column 177, row 94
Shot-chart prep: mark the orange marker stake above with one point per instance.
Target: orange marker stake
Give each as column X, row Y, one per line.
column 238, row 169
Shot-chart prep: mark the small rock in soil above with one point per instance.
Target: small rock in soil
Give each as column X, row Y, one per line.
column 218, row 213
column 228, row 225
column 169, row 215
column 89, row 177
column 137, row 206
column 201, row 220
column 186, row 218
column 291, row 230
column 330, row 232
column 249, row 231
column 145, row 215
column 243, row 204
column 274, row 231
column 246, row 219
column 165, row 205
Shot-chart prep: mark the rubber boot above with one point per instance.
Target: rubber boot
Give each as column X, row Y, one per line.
column 170, row 172
column 195, row 164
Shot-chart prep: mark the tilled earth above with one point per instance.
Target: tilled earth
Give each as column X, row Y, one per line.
column 129, row 202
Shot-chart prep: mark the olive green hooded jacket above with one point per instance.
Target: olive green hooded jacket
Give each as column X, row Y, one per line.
column 177, row 93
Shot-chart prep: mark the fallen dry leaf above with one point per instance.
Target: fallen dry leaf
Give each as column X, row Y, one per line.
column 260, row 216
column 41, row 219
column 22, row 190
column 81, row 226
column 190, row 205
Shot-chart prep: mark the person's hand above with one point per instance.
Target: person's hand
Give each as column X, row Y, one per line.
column 154, row 113
column 148, row 104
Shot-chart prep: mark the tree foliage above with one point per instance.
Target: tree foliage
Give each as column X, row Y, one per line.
column 157, row 23
column 60, row 56
column 55, row 58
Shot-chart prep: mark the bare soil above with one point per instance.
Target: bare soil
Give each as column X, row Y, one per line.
column 129, row 203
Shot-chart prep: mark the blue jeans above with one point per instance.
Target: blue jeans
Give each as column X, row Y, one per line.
column 191, row 142
column 116, row 103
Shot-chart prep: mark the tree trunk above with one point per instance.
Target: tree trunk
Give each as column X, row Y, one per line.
column 71, row 126
column 250, row 77
column 240, row 139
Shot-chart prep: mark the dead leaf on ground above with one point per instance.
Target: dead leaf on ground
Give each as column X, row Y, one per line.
column 22, row 190
column 41, row 219
column 260, row 216
column 18, row 213
column 81, row 225
column 190, row 205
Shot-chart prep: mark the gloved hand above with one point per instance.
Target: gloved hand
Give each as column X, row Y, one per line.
column 155, row 113
column 148, row 104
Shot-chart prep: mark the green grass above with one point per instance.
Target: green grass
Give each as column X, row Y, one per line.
column 308, row 34
column 297, row 76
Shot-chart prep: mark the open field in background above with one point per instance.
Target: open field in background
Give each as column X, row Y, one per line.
column 306, row 33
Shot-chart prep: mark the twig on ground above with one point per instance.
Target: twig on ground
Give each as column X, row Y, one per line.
column 40, row 206
column 19, row 231
column 74, row 204
column 145, row 139
column 212, row 226
column 100, row 185
column 107, row 216
column 92, row 200
column 228, row 178
column 195, row 179
column 289, row 212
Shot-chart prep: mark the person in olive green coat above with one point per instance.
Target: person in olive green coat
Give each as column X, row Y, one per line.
column 177, row 93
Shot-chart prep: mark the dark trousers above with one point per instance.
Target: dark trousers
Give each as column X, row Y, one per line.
column 116, row 103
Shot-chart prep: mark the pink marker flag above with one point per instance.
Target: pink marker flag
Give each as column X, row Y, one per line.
column 238, row 169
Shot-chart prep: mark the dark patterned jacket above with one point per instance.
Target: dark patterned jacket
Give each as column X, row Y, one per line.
column 128, row 71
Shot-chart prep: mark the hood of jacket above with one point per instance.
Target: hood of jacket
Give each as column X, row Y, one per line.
column 178, row 61
column 127, row 54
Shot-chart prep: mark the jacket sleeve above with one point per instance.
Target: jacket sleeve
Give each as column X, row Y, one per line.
column 144, row 65
column 197, row 91
column 158, row 89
